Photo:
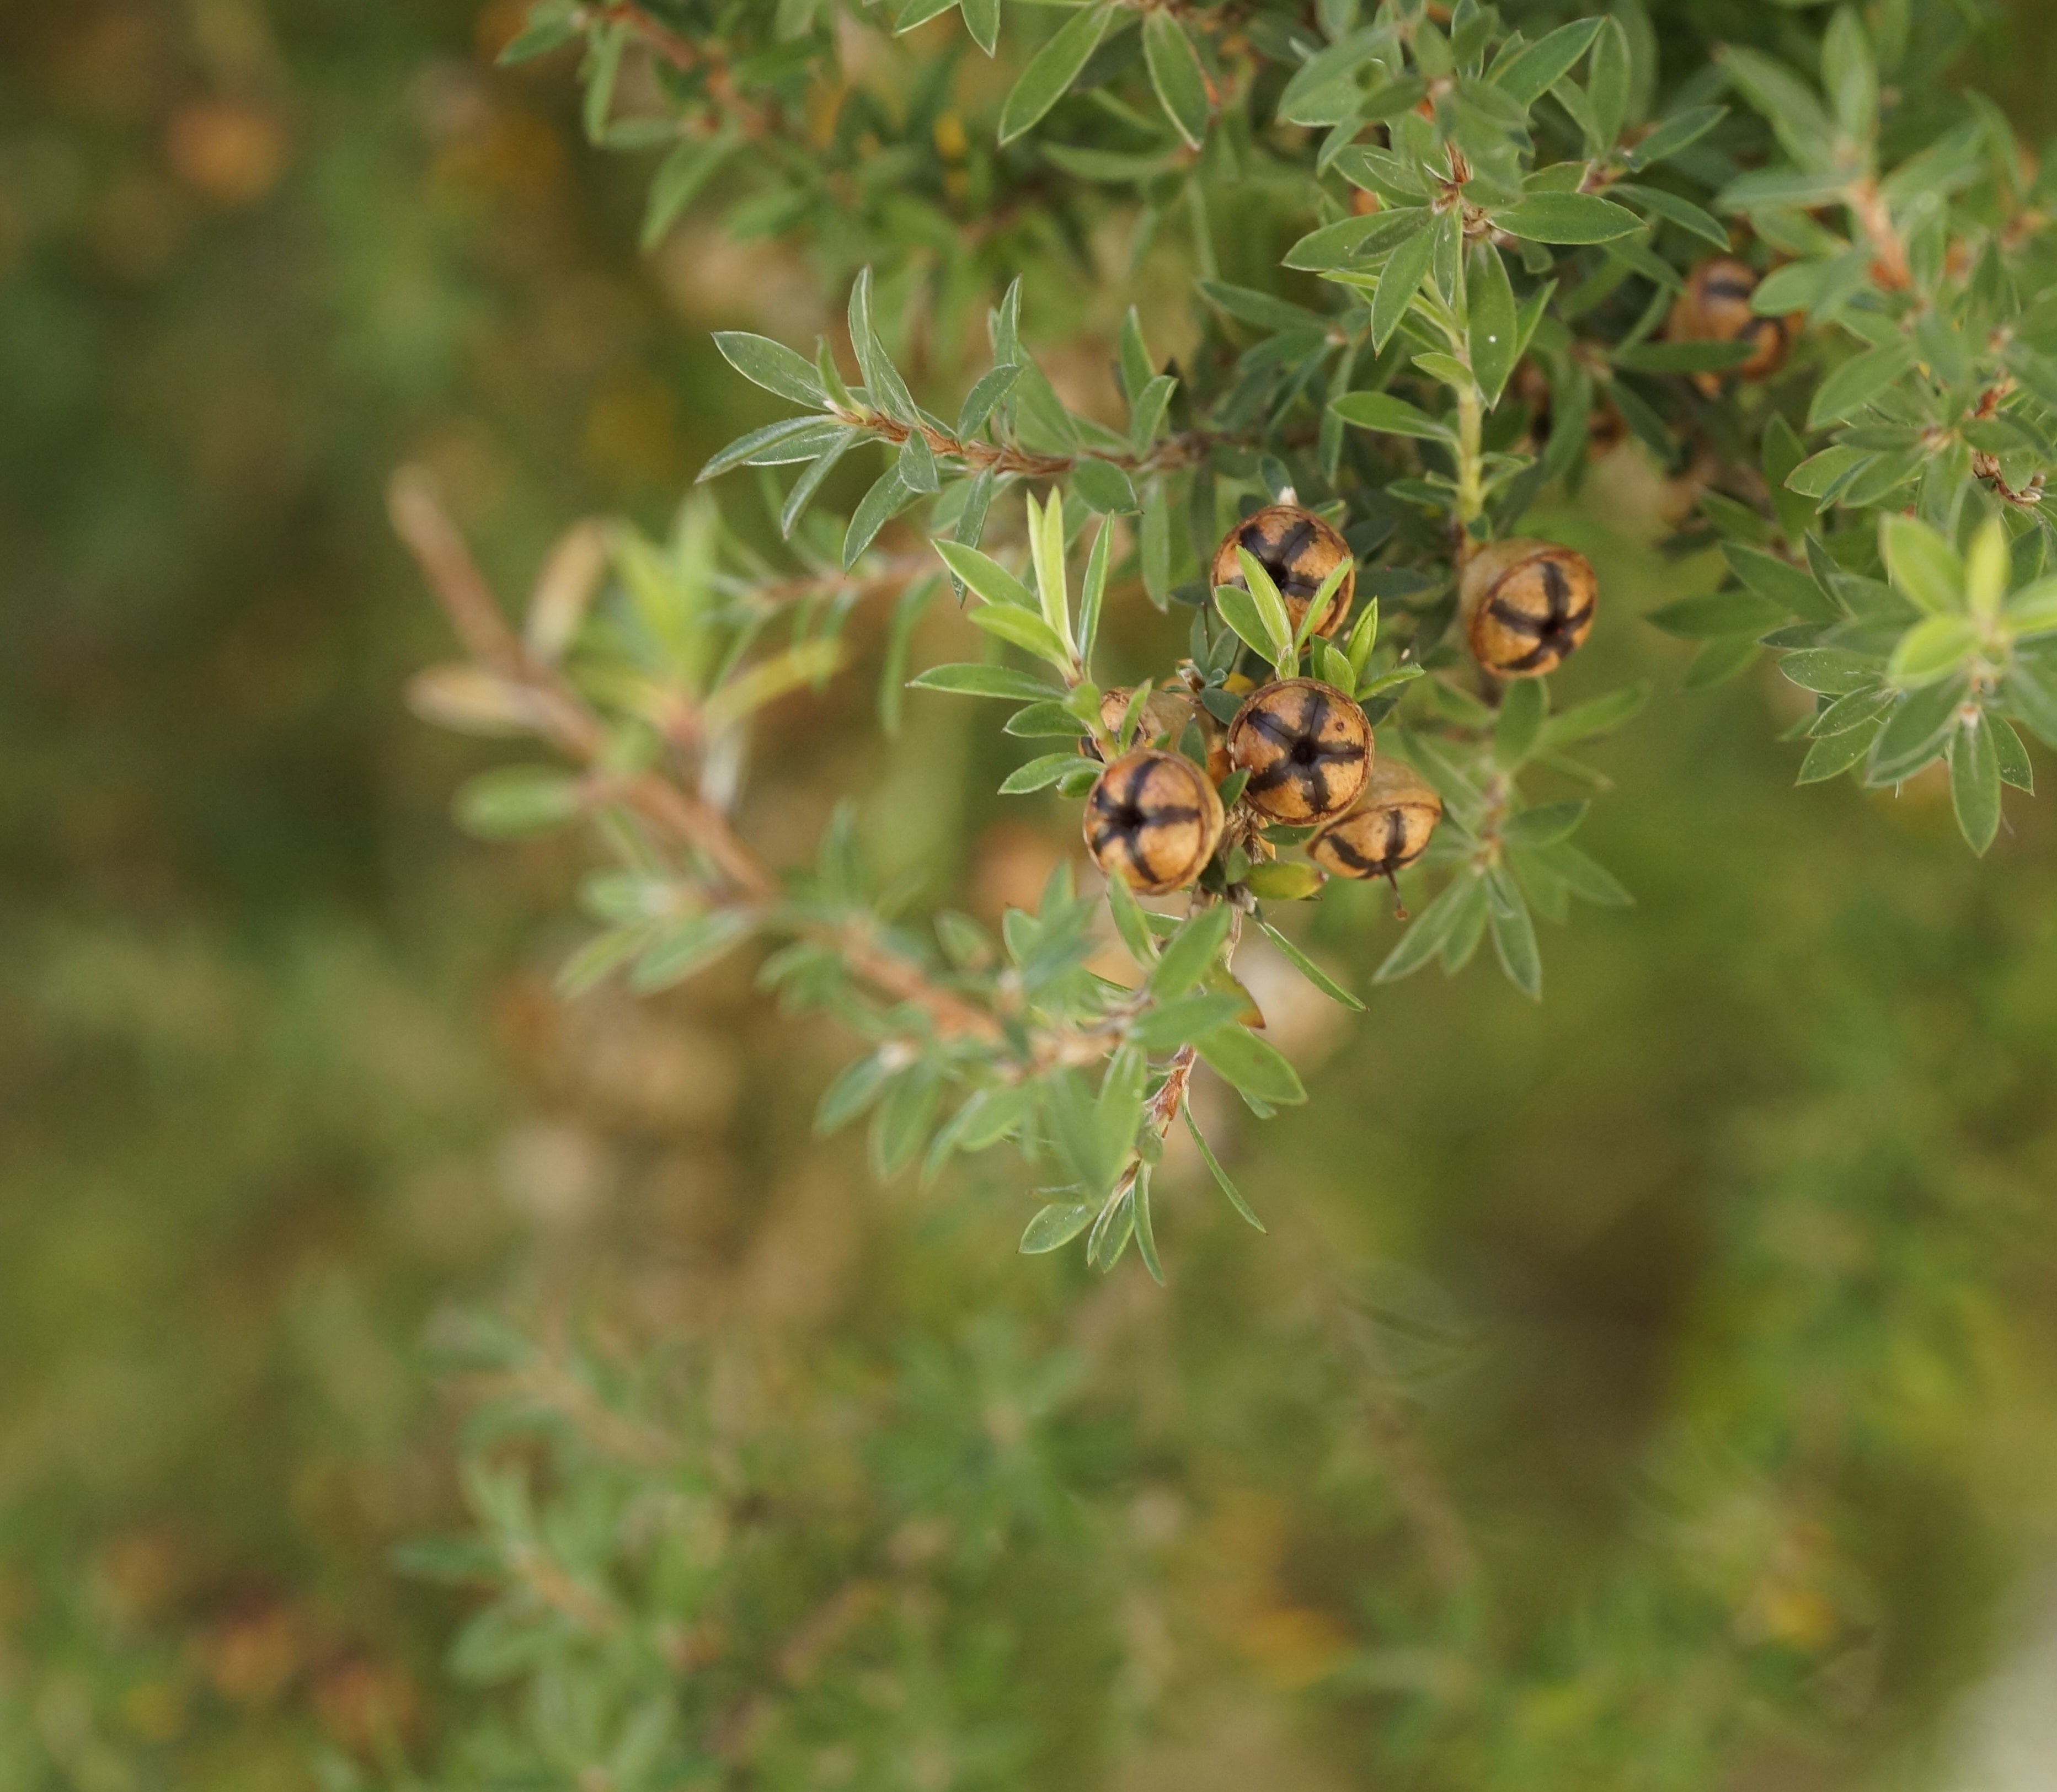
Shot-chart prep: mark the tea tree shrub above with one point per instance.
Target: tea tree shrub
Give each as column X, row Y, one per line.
column 1804, row 273
column 1439, row 258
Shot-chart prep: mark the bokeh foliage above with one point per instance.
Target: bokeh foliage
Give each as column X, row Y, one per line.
column 1713, row 1292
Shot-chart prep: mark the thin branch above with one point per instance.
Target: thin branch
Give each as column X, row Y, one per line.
column 570, row 724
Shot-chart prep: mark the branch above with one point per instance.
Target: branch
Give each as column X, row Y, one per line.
column 570, row 724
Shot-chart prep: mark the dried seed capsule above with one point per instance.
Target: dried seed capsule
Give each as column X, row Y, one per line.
column 1386, row 832
column 1307, row 746
column 1299, row 551
column 1715, row 308
column 1526, row 606
column 1164, row 712
column 1153, row 820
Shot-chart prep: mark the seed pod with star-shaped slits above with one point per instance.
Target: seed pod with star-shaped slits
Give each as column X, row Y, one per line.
column 1153, row 820
column 1307, row 746
column 1386, row 832
column 1715, row 308
column 1299, row 551
column 1165, row 712
column 1526, row 606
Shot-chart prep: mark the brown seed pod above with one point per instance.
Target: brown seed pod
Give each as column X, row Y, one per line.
column 1715, row 308
column 1299, row 551
column 1526, row 606
column 1153, row 821
column 1307, row 748
column 1386, row 832
column 1164, row 712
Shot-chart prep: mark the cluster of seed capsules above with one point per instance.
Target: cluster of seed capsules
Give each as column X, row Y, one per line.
column 1303, row 749
column 1300, row 751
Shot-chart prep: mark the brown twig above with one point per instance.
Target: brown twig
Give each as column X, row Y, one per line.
column 1889, row 266
column 564, row 719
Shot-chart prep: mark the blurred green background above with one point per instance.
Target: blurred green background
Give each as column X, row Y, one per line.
column 1732, row 1269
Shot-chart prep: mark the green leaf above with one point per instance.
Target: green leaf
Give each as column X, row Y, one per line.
column 981, row 19
column 1545, row 217
column 1787, row 103
column 1975, row 784
column 1933, row 648
column 1600, row 715
column 1105, row 486
column 1819, row 475
column 1683, row 357
column 546, row 31
column 1987, row 569
column 985, row 575
column 1382, row 411
column 1220, row 1175
column 1170, row 1025
column 1308, row 968
column 1831, row 672
column 1024, row 629
column 1046, row 552
column 1148, row 415
column 1056, row 1225
column 1271, row 606
column 1856, row 382
column 1928, row 571
column 1519, row 723
column 2032, row 698
column 1849, row 75
column 1717, row 616
column 1252, row 1065
column 1040, row 773
column 1915, row 732
column 916, row 464
column 1239, row 609
column 1428, row 930
column 1282, row 881
column 991, row 388
column 686, row 946
column 513, row 800
column 919, row 12
column 2015, row 768
column 1263, row 309
column 1176, row 74
column 679, row 179
column 1585, row 878
column 1676, row 133
column 1531, row 72
column 599, row 957
column 1835, row 754
column 1779, row 581
column 969, row 680
column 887, row 497
column 1495, row 325
column 766, row 445
column 1400, row 279
column 1189, row 952
column 773, row 366
column 1052, row 69
column 1145, row 1235
column 2032, row 610
column 1514, row 941
column 1543, row 825
column 1606, row 81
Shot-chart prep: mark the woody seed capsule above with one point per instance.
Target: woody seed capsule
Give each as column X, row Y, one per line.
column 1386, row 832
column 1526, row 606
column 1153, row 820
column 1307, row 748
column 1165, row 712
column 1715, row 308
column 1299, row 551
